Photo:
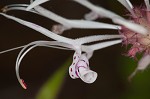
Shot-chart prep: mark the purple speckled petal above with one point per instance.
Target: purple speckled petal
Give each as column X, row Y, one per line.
column 72, row 69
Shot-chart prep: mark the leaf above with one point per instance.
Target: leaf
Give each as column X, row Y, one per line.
column 51, row 88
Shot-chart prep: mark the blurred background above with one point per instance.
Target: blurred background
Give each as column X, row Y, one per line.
column 41, row 66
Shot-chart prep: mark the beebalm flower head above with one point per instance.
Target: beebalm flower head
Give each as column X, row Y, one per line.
column 139, row 43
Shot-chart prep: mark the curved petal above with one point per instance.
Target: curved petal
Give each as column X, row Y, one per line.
column 29, row 47
column 18, row 7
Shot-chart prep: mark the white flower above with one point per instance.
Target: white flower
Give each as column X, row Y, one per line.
column 133, row 31
column 80, row 65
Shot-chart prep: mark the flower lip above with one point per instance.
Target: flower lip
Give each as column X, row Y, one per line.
column 88, row 76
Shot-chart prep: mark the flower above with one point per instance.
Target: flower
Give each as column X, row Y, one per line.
column 80, row 65
column 134, row 32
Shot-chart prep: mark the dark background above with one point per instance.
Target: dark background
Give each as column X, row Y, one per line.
column 42, row 62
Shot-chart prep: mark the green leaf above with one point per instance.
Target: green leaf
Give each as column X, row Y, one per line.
column 51, row 88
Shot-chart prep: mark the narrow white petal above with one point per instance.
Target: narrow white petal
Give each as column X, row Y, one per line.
column 52, row 44
column 29, row 47
column 52, row 15
column 94, row 38
column 34, row 44
column 144, row 62
column 74, row 23
column 104, row 44
column 16, row 5
column 97, row 9
column 36, row 3
column 147, row 5
column 134, row 27
column 23, row 8
column 21, row 81
column 40, row 29
column 92, row 25
column 128, row 5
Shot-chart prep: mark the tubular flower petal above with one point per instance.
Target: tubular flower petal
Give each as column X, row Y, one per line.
column 80, row 69
column 80, row 65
